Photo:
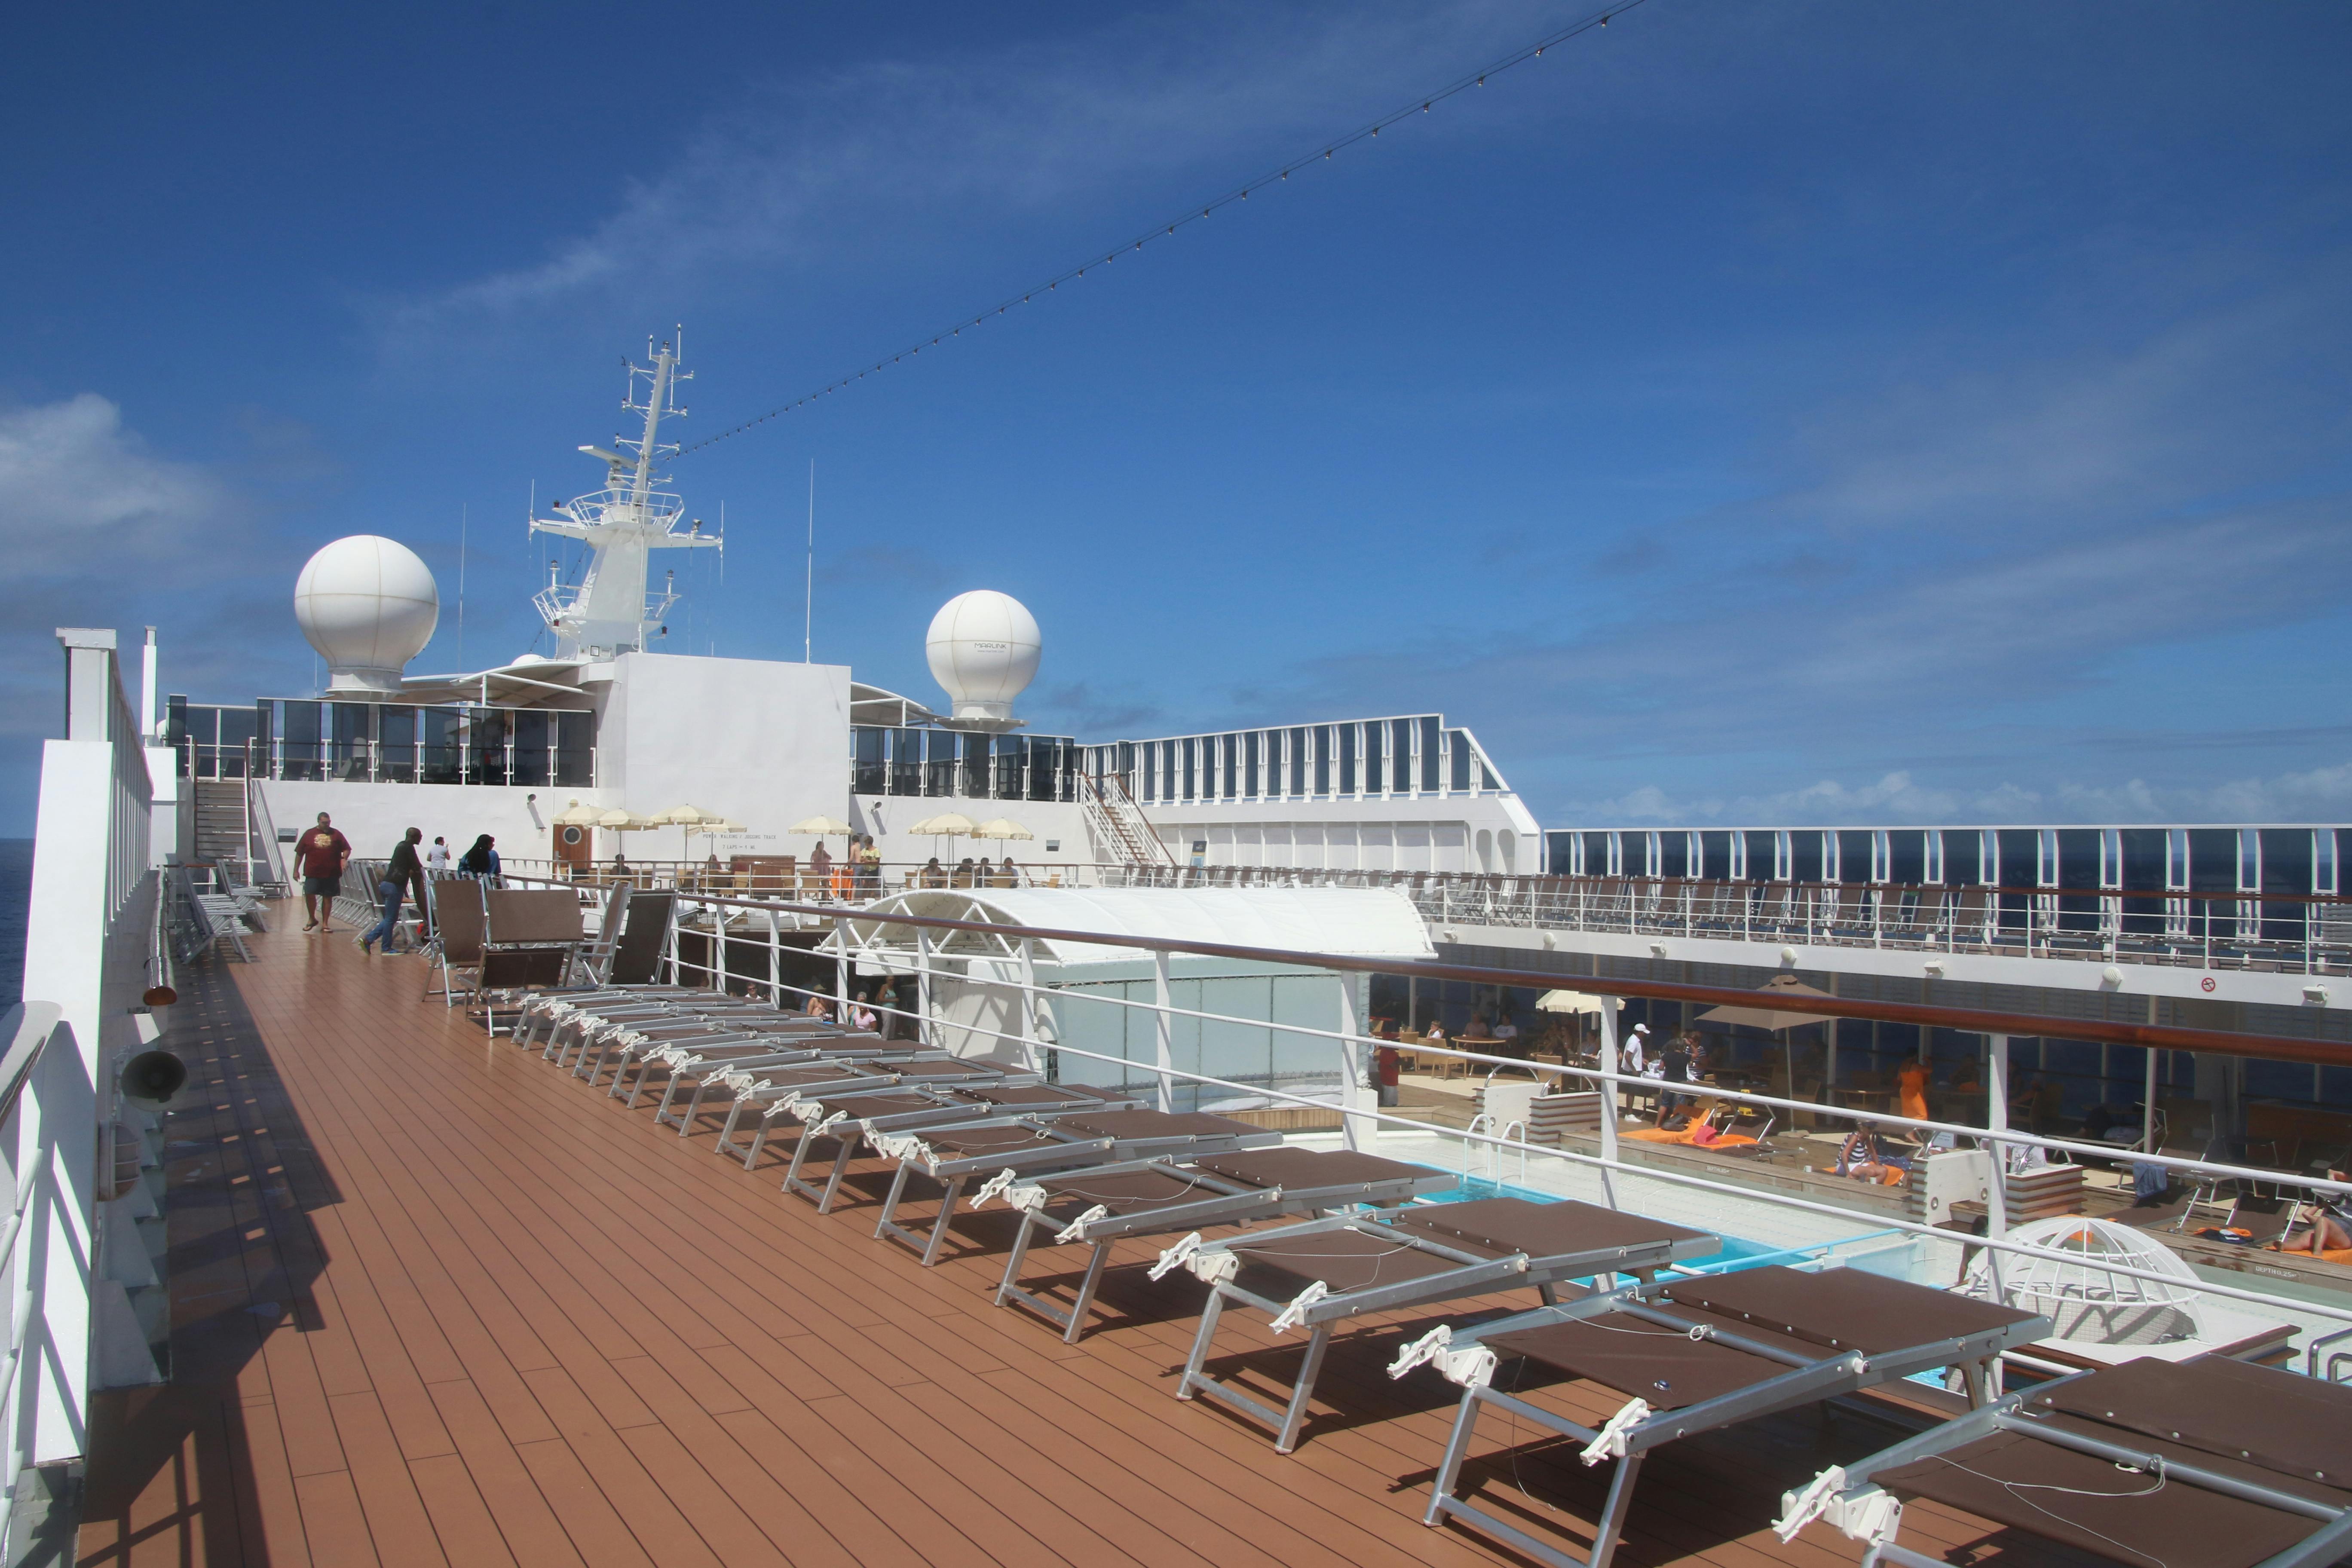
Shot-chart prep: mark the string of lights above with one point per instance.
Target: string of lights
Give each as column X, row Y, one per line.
column 1322, row 152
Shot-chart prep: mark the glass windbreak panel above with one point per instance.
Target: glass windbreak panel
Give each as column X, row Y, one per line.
column 2017, row 853
column 1233, row 745
column 1763, row 848
column 351, row 740
column 1964, row 857
column 1300, row 759
column 1808, row 855
column 867, row 765
column 1715, row 856
column 1049, row 759
column 1432, row 753
column 905, row 762
column 2286, row 868
column 300, row 722
column 1253, row 743
column 530, row 748
column 441, row 757
column 575, row 749
column 2143, row 859
column 1188, row 769
column 236, row 727
column 1487, row 779
column 395, row 732
column 2081, row 859
column 976, row 771
column 1375, row 757
column 2213, row 860
column 1012, row 764
column 1458, row 760
column 1853, row 856
column 486, row 751
column 1323, row 758
column 1347, row 759
column 1400, row 756
column 1596, row 854
column 1674, row 855
column 940, row 761
column 1906, row 855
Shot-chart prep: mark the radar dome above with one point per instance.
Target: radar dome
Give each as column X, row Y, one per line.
column 369, row 606
column 983, row 648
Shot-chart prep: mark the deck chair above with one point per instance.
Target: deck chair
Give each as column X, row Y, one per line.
column 644, row 935
column 1319, row 1275
column 1001, row 1152
column 1104, row 1204
column 762, row 1109
column 460, row 921
column 745, row 1036
column 844, row 1122
column 550, row 1010
column 689, row 1071
column 2209, row 1463
column 1694, row 1355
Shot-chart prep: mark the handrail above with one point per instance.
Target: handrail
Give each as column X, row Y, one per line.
column 28, row 1026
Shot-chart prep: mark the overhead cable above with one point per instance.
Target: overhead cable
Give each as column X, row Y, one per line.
column 1321, row 152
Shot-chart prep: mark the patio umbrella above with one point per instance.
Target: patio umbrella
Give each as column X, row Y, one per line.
column 1002, row 827
column 947, row 824
column 687, row 817
column 1577, row 1002
column 578, row 816
column 1775, row 1019
column 822, row 826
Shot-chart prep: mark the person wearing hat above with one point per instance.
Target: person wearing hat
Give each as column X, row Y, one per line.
column 1636, row 1045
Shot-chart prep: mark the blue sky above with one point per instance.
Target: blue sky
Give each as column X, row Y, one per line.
column 1815, row 412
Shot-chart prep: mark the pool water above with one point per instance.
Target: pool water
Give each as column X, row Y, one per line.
column 1737, row 1252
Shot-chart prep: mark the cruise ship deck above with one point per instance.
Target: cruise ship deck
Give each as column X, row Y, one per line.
column 434, row 1300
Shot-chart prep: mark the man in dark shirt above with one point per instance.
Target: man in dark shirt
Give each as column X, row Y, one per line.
column 402, row 872
column 320, row 857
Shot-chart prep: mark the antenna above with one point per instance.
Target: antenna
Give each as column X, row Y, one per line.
column 461, row 586
column 808, row 622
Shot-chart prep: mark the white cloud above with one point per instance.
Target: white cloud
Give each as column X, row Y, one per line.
column 85, row 496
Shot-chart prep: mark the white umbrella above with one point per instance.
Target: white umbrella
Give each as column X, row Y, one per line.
column 1578, row 1002
column 578, row 816
column 621, row 821
column 947, row 824
column 821, row 826
column 689, row 817
column 1777, row 1021
column 1002, row 827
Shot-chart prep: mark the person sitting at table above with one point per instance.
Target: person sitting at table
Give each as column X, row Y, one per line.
column 1506, row 1029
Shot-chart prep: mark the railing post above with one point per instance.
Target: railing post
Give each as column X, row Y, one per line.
column 1029, row 1001
column 923, row 985
column 1997, row 1123
column 840, row 968
column 1163, row 1031
column 1359, row 1126
column 775, row 960
column 1609, row 1099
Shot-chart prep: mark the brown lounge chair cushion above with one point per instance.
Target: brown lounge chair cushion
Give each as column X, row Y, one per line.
column 1815, row 1315
column 2256, row 1423
column 1129, row 1125
column 1493, row 1227
column 1308, row 1169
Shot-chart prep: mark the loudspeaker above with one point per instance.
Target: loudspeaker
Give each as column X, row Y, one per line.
column 151, row 1078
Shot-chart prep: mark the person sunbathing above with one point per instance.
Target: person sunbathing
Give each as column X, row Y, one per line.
column 2330, row 1230
column 1864, row 1159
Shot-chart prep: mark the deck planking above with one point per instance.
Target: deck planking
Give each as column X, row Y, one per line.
column 436, row 1301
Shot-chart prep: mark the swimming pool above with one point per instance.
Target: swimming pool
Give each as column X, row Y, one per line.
column 1736, row 1253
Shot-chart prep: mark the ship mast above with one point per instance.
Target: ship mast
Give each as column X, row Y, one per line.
column 609, row 612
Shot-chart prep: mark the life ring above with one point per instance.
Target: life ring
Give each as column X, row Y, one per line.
column 2209, row 983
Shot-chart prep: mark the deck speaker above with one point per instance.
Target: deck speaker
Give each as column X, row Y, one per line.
column 151, row 1078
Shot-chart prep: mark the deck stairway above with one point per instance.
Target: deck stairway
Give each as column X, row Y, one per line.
column 1117, row 824
column 227, row 831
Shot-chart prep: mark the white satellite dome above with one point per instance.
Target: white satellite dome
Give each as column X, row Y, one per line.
column 984, row 647
column 369, row 606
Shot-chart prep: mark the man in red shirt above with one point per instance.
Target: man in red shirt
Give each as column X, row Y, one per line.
column 321, row 855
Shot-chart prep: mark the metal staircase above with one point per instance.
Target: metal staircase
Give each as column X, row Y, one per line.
column 1118, row 827
column 233, row 831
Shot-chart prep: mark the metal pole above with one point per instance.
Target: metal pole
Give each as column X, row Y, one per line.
column 1359, row 1127
column 2147, row 1105
column 1029, row 1002
column 922, row 987
column 1163, row 1030
column 775, row 956
column 840, row 968
column 1609, row 1099
column 1997, row 1123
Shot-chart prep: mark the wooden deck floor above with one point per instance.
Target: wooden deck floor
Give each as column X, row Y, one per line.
column 436, row 1301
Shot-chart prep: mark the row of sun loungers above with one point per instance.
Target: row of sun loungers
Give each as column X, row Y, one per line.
column 2207, row 1464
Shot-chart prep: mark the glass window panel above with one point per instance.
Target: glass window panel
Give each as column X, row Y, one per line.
column 1674, row 855
column 1347, row 759
column 397, row 743
column 1253, row 743
column 1763, row 849
column 1907, row 855
column 300, row 722
column 1375, row 757
column 1323, row 758
column 575, row 750
column 1231, row 745
column 1299, row 762
column 1432, row 753
column 867, row 762
column 443, row 757
column 1012, row 756
column 1715, row 856
column 2213, row 860
column 1400, row 756
column 486, row 751
column 530, row 758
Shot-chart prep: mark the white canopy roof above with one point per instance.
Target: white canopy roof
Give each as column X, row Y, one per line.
column 1355, row 922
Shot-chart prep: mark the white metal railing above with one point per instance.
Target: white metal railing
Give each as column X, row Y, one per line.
column 30, row 1144
column 1037, row 1036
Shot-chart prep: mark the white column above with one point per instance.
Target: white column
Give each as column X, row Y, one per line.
column 1163, row 1031
column 2147, row 1103
column 1353, row 1096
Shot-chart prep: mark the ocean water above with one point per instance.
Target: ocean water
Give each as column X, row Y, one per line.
column 15, row 894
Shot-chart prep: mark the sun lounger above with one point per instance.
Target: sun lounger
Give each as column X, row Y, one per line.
column 1101, row 1204
column 844, row 1122
column 1317, row 1275
column 694, row 1072
column 1005, row 1151
column 2211, row 1463
column 769, row 1103
column 1696, row 1354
